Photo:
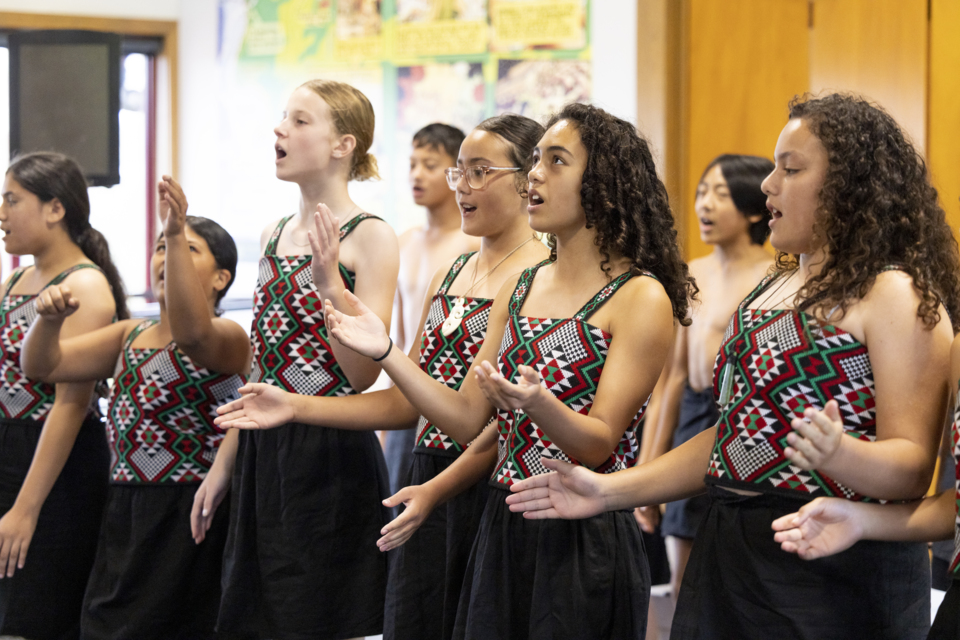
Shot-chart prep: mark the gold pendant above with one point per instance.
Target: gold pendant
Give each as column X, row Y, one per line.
column 454, row 319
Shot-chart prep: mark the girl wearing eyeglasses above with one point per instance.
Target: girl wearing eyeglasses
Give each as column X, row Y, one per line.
column 427, row 573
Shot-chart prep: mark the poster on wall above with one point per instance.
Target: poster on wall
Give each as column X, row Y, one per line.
column 419, row 61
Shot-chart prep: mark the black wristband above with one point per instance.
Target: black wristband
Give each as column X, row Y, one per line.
column 387, row 352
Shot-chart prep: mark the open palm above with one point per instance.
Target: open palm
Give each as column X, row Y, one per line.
column 365, row 332
column 261, row 406
column 821, row 528
column 571, row 493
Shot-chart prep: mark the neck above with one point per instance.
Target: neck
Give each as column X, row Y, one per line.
column 331, row 192
column 494, row 248
column 444, row 217
column 578, row 256
column 811, row 264
column 58, row 255
column 741, row 249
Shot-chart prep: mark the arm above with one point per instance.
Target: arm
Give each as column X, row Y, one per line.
column 263, row 406
column 376, row 282
column 89, row 356
column 419, row 501
column 911, row 366
column 576, row 492
column 214, row 343
column 634, row 362
column 59, row 429
column 214, row 487
column 830, row 525
column 459, row 414
column 675, row 379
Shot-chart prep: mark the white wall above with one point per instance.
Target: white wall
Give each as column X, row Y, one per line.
column 613, row 38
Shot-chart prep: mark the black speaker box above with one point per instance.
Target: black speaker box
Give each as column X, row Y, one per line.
column 65, row 96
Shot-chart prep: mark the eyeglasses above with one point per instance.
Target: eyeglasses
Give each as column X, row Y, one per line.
column 476, row 176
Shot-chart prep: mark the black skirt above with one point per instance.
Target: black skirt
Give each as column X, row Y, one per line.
column 698, row 412
column 740, row 584
column 946, row 626
column 150, row 580
column 43, row 600
column 301, row 559
column 426, row 573
column 554, row 578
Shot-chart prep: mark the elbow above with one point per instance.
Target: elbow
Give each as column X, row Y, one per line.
column 596, row 456
column 362, row 382
column 32, row 370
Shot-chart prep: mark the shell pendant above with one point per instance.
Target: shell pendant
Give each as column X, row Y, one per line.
column 454, row 319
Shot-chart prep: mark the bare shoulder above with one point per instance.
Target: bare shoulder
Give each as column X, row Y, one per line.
column 893, row 299
column 645, row 293
column 375, row 231
column 90, row 286
column 892, row 288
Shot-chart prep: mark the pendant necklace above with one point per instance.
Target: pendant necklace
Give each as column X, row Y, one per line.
column 459, row 306
column 726, row 378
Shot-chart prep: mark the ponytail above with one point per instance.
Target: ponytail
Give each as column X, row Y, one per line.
column 95, row 247
column 364, row 168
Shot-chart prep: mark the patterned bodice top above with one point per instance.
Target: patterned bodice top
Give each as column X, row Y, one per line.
column 448, row 358
column 569, row 354
column 291, row 349
column 778, row 363
column 20, row 397
column 955, row 448
column 160, row 415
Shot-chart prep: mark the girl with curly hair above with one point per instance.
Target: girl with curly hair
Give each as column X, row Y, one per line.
column 573, row 371
column 832, row 381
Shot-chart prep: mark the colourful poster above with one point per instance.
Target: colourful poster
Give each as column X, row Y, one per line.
column 419, row 61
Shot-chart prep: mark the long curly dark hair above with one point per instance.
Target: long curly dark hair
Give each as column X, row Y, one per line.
column 877, row 208
column 627, row 203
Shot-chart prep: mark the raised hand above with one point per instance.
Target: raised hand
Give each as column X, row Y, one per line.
column 208, row 497
column 173, row 206
column 507, row 395
column 418, row 503
column 56, row 302
column 325, row 246
column 261, row 406
column 16, row 532
column 816, row 437
column 573, row 492
column 365, row 332
column 821, row 528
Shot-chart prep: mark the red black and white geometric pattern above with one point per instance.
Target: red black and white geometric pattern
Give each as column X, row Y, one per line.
column 160, row 415
column 782, row 362
column 291, row 349
column 20, row 397
column 569, row 355
column 447, row 359
column 955, row 448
